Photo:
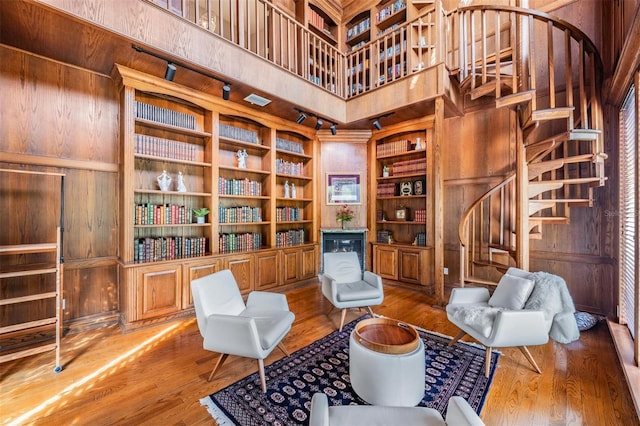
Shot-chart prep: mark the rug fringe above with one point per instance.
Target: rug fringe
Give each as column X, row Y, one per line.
column 216, row 412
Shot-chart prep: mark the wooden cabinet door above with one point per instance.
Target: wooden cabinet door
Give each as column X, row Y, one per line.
column 195, row 270
column 385, row 262
column 267, row 270
column 309, row 263
column 411, row 264
column 159, row 290
column 242, row 267
column 291, row 265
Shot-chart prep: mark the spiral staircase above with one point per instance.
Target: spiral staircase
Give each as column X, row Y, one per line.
column 549, row 74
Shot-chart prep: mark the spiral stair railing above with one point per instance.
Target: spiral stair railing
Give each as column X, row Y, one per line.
column 556, row 97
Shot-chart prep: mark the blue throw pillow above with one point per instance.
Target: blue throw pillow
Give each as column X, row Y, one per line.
column 585, row 320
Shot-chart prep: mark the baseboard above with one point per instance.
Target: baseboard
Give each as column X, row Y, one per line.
column 624, row 347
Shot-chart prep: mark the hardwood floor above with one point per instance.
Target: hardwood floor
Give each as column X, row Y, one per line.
column 158, row 375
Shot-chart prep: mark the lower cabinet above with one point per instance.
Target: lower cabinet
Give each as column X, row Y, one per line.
column 406, row 264
column 151, row 293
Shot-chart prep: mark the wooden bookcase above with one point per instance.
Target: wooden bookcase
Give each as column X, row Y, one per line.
column 402, row 208
column 229, row 162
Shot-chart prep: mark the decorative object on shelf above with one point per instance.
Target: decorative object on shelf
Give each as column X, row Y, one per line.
column 293, row 191
column 180, row 186
column 200, row 214
column 406, row 188
column 418, row 187
column 401, row 213
column 242, row 158
column 164, row 181
column 418, row 144
column 287, row 192
column 385, row 171
column 344, row 216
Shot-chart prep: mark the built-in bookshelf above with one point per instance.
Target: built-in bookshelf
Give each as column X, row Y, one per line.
column 184, row 151
column 403, row 214
column 294, row 193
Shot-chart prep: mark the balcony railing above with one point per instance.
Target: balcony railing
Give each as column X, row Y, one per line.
column 265, row 30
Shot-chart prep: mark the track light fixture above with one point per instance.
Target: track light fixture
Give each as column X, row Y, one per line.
column 333, row 129
column 170, row 73
column 319, row 124
column 301, row 117
column 171, row 70
column 376, row 120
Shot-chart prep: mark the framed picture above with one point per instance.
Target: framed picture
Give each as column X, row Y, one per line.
column 343, row 188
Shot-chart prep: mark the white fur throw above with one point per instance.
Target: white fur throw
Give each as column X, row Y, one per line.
column 551, row 295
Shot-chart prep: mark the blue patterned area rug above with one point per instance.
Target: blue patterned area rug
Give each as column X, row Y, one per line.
column 323, row 366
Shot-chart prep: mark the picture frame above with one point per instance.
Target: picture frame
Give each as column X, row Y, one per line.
column 344, row 188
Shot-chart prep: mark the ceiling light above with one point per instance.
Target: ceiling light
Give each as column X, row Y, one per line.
column 319, row 124
column 333, row 129
column 301, row 117
column 377, row 124
column 257, row 100
column 226, row 91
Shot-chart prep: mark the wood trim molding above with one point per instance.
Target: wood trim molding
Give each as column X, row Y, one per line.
column 628, row 63
column 65, row 163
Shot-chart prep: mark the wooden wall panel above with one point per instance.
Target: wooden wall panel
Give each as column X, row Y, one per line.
column 57, row 117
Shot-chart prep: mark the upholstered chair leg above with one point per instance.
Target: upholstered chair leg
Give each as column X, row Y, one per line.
column 527, row 354
column 283, row 349
column 487, row 361
column 221, row 360
column 263, row 380
column 459, row 336
column 371, row 312
column 342, row 317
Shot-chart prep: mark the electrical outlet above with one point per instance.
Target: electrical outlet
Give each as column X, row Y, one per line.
column 446, row 271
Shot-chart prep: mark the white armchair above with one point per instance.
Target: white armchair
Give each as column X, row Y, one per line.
column 230, row 327
column 459, row 413
column 346, row 286
column 500, row 320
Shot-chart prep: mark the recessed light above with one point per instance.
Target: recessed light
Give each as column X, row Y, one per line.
column 257, row 100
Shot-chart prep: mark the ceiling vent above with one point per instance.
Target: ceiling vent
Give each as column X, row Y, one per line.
column 257, row 100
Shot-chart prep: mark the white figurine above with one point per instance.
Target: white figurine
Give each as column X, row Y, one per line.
column 293, row 190
column 181, row 185
column 418, row 144
column 164, row 181
column 242, row 158
column 286, row 190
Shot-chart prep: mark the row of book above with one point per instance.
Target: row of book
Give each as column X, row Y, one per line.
column 392, row 50
column 420, row 215
column 392, row 8
column 386, row 190
column 162, row 214
column 384, row 236
column 316, row 19
column 288, row 145
column 292, row 237
column 168, row 248
column 359, row 28
column 289, row 214
column 409, row 167
column 421, row 239
column 289, row 167
column 164, row 115
column 238, row 133
column 240, row 214
column 159, row 147
column 393, row 147
column 231, row 243
column 239, row 187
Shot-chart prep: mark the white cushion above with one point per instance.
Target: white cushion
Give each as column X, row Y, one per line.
column 512, row 292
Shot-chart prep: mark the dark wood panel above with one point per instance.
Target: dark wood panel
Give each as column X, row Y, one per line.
column 90, row 291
